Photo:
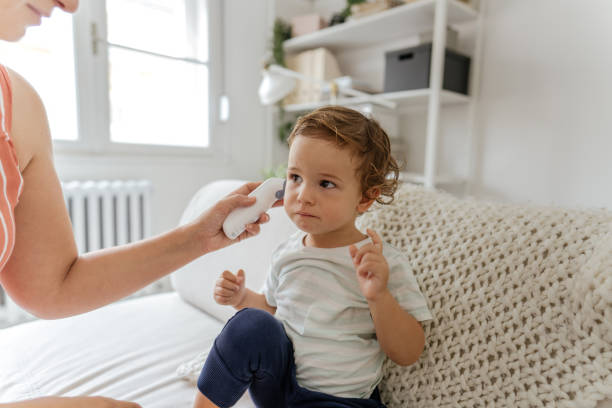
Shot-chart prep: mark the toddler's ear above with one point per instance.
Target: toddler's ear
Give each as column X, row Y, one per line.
column 367, row 199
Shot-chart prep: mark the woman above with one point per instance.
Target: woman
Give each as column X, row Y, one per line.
column 39, row 264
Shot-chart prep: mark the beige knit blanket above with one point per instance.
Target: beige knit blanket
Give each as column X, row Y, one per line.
column 521, row 298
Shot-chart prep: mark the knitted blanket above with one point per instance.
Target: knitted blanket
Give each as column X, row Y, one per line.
column 521, row 298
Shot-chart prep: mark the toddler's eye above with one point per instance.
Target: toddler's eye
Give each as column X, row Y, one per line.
column 327, row 184
column 295, row 178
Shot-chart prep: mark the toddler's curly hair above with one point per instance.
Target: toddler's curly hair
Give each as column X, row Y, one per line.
column 377, row 169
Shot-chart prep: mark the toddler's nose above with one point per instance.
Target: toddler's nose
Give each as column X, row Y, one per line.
column 305, row 194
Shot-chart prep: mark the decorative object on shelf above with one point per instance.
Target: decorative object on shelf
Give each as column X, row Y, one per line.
column 351, row 82
column 409, row 68
column 274, row 86
column 341, row 16
column 414, row 1
column 336, row 18
column 319, row 64
column 372, row 7
column 306, row 24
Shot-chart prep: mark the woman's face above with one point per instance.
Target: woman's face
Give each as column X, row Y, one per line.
column 17, row 15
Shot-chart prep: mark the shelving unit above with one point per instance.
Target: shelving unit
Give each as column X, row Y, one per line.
column 398, row 23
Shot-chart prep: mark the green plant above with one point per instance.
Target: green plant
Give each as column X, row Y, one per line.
column 281, row 32
column 347, row 10
column 285, row 125
column 278, row 171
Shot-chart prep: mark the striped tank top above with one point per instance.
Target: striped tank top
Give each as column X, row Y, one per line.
column 10, row 176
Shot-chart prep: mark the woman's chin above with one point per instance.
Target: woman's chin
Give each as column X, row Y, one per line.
column 13, row 35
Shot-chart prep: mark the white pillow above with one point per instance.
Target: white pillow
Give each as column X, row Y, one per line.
column 195, row 282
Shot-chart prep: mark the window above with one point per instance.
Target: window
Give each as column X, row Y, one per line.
column 51, row 48
column 135, row 71
column 158, row 72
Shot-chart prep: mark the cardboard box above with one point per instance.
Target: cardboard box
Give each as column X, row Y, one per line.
column 319, row 63
column 306, row 24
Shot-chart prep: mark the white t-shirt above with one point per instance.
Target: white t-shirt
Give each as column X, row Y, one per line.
column 318, row 300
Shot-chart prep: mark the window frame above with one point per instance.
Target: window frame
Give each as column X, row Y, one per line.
column 92, row 87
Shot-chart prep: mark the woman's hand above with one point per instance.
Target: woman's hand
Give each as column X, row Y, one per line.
column 230, row 289
column 72, row 402
column 371, row 267
column 210, row 224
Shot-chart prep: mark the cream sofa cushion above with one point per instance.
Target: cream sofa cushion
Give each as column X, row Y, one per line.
column 521, row 298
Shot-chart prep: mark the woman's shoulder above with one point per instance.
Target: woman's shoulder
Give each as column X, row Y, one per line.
column 30, row 129
column 23, row 90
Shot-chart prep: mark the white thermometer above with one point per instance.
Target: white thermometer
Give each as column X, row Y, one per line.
column 267, row 194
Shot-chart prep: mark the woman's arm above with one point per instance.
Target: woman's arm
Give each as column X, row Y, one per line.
column 45, row 274
column 71, row 402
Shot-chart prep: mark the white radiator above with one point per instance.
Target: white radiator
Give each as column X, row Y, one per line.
column 108, row 213
column 103, row 214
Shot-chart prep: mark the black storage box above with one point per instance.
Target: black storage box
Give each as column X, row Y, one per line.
column 409, row 69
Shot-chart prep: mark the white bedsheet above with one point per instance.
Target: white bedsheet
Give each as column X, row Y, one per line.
column 129, row 351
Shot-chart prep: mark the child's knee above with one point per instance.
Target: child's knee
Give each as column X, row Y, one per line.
column 248, row 327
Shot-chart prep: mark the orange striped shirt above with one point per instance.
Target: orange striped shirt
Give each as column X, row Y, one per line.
column 10, row 176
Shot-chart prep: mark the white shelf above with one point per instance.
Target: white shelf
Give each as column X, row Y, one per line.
column 404, row 99
column 398, row 22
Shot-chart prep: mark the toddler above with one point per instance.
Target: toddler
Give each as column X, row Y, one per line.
column 336, row 301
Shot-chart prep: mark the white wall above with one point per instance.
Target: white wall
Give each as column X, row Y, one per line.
column 546, row 101
column 176, row 178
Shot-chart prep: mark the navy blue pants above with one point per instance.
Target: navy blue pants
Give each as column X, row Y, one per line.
column 253, row 352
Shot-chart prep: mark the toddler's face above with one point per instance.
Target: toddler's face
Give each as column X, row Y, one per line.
column 323, row 193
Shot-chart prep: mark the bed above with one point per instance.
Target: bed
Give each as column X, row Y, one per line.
column 131, row 350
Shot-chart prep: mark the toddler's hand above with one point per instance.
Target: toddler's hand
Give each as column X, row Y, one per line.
column 230, row 289
column 371, row 267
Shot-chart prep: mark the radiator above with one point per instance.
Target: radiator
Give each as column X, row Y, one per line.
column 103, row 214
column 108, row 213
